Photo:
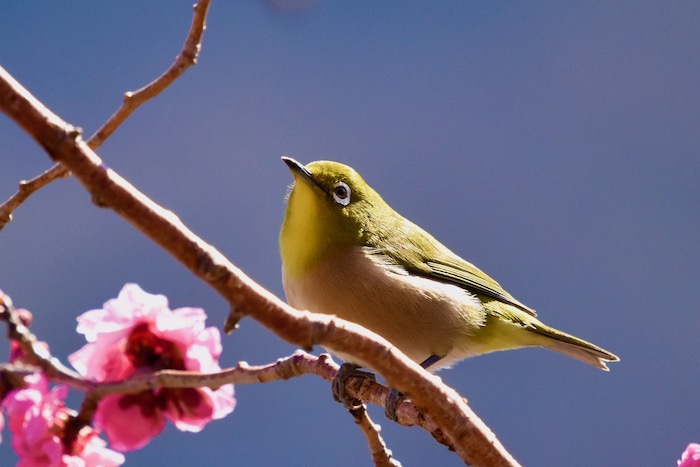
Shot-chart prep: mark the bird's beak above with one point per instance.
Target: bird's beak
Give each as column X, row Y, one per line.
column 298, row 170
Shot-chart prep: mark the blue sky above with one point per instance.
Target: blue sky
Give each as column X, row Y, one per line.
column 556, row 145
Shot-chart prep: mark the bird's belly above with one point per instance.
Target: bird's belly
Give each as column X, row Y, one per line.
column 420, row 316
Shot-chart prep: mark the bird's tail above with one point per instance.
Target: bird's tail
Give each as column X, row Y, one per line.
column 574, row 347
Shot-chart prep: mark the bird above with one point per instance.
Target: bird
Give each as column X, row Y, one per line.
column 346, row 252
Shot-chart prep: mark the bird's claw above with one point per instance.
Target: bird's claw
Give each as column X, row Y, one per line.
column 392, row 403
column 345, row 371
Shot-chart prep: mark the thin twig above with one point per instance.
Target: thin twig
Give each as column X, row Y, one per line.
column 381, row 456
column 26, row 189
column 33, row 351
column 132, row 100
column 186, row 58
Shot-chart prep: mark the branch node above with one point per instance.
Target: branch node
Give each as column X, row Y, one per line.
column 232, row 321
column 207, row 266
column 316, row 331
column 74, row 133
column 99, row 201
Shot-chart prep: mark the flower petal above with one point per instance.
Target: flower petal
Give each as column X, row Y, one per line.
column 96, row 454
column 128, row 426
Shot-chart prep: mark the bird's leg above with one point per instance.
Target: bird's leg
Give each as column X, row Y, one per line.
column 430, row 361
column 392, row 399
column 345, row 371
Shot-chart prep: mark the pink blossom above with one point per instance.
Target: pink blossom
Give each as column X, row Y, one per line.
column 37, row 417
column 95, row 454
column 691, row 456
column 137, row 333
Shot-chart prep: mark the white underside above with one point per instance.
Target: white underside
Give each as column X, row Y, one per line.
column 420, row 316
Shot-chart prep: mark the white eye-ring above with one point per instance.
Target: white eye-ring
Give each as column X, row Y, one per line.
column 341, row 193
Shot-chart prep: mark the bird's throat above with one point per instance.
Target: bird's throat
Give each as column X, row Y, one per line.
column 303, row 240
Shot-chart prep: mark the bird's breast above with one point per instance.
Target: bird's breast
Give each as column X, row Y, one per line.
column 420, row 316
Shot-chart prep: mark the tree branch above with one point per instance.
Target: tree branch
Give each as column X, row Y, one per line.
column 26, row 189
column 132, row 100
column 381, row 456
column 471, row 438
column 33, row 351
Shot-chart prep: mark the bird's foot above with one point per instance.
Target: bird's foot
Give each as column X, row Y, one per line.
column 392, row 403
column 345, row 371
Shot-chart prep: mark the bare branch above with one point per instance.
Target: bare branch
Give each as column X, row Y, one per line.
column 132, row 100
column 471, row 438
column 381, row 456
column 26, row 189
column 186, row 58
column 33, row 351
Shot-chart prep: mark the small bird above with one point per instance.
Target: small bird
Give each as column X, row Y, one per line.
column 346, row 252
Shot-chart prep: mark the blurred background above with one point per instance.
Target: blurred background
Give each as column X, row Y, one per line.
column 554, row 144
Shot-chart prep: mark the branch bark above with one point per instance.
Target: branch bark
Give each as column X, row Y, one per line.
column 381, row 456
column 471, row 438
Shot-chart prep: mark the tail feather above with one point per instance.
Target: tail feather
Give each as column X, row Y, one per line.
column 510, row 328
column 576, row 348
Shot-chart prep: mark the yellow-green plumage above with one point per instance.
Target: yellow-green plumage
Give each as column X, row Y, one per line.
column 346, row 252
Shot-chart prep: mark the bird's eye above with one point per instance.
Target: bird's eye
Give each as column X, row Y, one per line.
column 341, row 193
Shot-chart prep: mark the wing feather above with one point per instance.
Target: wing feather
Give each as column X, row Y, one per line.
column 421, row 254
column 471, row 278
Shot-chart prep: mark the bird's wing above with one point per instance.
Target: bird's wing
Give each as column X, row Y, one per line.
column 447, row 268
column 421, row 254
column 464, row 274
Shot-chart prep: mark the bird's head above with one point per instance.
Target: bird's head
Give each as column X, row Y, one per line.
column 329, row 207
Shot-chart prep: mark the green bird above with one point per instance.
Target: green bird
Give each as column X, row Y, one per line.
column 346, row 252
